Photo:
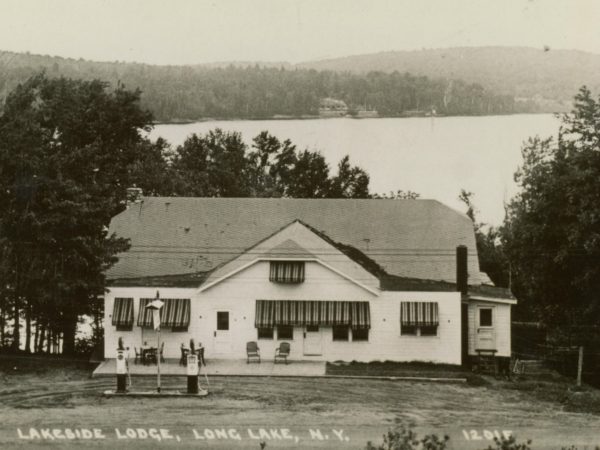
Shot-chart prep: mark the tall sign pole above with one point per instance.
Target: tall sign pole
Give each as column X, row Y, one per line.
column 158, row 360
column 155, row 306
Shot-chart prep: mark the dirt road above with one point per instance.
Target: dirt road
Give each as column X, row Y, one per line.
column 60, row 409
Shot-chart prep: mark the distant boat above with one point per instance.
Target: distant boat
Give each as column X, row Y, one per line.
column 366, row 113
column 420, row 113
column 433, row 113
column 413, row 113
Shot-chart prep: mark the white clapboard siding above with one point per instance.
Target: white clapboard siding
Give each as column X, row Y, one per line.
column 239, row 293
column 501, row 322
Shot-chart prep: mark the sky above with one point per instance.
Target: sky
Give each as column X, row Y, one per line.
column 200, row 31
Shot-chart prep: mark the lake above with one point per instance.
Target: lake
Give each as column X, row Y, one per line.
column 436, row 157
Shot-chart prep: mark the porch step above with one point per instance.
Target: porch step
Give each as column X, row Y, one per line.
column 215, row 367
column 487, row 365
column 486, row 362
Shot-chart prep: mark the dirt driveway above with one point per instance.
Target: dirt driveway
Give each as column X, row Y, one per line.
column 63, row 408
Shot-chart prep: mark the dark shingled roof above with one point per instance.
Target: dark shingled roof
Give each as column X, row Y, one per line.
column 488, row 291
column 394, row 283
column 181, row 280
column 415, row 239
column 404, row 284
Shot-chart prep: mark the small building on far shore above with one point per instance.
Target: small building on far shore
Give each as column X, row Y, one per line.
column 331, row 107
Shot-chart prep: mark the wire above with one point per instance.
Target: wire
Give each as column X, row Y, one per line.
column 303, row 247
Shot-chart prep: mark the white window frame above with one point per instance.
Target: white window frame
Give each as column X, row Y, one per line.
column 493, row 316
column 418, row 333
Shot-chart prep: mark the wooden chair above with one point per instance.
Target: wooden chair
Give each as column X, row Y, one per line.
column 252, row 351
column 149, row 356
column 282, row 352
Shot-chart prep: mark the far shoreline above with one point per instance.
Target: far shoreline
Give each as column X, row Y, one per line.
column 307, row 117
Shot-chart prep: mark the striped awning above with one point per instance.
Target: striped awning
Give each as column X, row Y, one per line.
column 270, row 313
column 144, row 314
column 286, row 271
column 174, row 313
column 123, row 312
column 419, row 313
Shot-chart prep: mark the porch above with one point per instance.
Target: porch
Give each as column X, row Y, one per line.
column 220, row 367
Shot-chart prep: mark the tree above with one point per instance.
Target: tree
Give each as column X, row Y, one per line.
column 219, row 164
column 466, row 198
column 552, row 230
column 492, row 259
column 309, row 177
column 270, row 163
column 398, row 195
column 213, row 165
column 151, row 171
column 350, row 182
column 67, row 152
column 175, row 93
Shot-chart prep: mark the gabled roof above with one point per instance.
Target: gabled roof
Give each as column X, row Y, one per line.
column 288, row 249
column 284, row 245
column 485, row 292
column 177, row 235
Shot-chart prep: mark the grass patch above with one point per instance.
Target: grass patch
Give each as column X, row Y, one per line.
column 396, row 369
column 585, row 399
column 476, row 380
column 39, row 365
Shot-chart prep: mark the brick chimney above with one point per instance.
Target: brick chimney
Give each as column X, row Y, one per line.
column 462, row 274
column 134, row 195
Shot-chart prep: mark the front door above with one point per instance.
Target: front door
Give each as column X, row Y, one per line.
column 221, row 335
column 313, row 342
column 486, row 333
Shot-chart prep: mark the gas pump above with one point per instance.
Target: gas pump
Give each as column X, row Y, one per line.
column 192, row 374
column 121, row 372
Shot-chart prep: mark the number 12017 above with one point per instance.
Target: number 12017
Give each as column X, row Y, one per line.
column 488, row 435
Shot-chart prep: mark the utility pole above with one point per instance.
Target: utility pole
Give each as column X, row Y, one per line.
column 580, row 366
column 156, row 306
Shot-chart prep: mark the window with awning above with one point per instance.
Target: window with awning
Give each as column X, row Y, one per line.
column 175, row 313
column 144, row 319
column 287, row 272
column 418, row 318
column 271, row 313
column 418, row 314
column 122, row 316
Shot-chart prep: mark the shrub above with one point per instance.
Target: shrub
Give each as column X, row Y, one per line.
column 509, row 444
column 84, row 346
column 406, row 439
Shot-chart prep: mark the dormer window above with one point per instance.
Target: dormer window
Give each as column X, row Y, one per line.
column 290, row 272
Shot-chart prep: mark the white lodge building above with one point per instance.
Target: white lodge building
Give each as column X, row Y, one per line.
column 338, row 279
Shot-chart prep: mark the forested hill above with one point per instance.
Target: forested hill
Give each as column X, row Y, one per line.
column 547, row 77
column 244, row 90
